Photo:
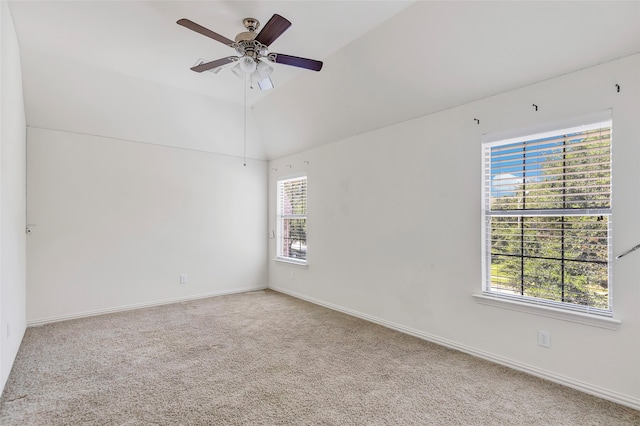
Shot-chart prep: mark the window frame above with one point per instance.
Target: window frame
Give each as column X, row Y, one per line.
column 521, row 301
column 280, row 217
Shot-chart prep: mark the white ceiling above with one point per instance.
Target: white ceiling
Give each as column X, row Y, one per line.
column 385, row 62
column 142, row 39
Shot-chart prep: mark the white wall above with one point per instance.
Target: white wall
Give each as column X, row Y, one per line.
column 115, row 223
column 394, row 232
column 12, row 198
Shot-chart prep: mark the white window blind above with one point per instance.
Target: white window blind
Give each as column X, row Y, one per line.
column 292, row 219
column 547, row 218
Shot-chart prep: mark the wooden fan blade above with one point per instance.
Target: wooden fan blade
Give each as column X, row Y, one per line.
column 273, row 29
column 204, row 31
column 211, row 65
column 295, row 61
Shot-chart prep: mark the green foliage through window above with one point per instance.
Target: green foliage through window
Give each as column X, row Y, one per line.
column 547, row 217
column 292, row 219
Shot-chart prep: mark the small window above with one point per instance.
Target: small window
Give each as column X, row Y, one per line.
column 292, row 220
column 547, row 218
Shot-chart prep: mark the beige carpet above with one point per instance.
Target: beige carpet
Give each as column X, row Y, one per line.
column 263, row 358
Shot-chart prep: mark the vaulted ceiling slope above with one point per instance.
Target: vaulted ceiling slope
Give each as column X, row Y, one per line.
column 121, row 69
column 437, row 55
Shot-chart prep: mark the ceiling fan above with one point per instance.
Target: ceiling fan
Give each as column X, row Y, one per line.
column 253, row 48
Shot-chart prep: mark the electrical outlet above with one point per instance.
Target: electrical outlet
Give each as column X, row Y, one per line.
column 544, row 339
column 184, row 278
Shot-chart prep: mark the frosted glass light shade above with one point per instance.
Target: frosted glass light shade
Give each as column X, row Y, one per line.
column 264, row 70
column 247, row 65
column 237, row 71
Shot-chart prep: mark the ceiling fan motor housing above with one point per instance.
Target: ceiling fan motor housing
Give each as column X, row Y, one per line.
column 251, row 24
column 250, row 48
column 244, row 36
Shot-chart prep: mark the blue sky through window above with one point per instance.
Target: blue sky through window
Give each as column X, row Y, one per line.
column 523, row 162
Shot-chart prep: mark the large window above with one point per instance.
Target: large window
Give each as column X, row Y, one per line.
column 547, row 218
column 292, row 220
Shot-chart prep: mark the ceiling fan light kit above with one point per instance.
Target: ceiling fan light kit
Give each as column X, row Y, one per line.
column 248, row 65
column 264, row 70
column 253, row 50
column 236, row 70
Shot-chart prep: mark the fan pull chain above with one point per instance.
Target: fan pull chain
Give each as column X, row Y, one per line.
column 245, row 124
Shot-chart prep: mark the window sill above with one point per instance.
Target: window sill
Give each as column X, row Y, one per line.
column 300, row 263
column 546, row 311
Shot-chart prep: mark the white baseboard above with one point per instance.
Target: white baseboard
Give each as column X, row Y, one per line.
column 48, row 320
column 534, row 371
